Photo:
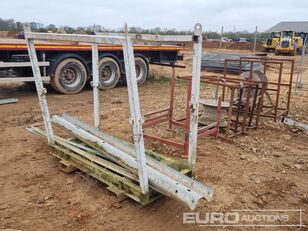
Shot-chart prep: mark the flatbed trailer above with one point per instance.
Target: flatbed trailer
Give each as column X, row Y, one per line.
column 68, row 66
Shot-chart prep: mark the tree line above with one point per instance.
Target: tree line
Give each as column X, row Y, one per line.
column 12, row 25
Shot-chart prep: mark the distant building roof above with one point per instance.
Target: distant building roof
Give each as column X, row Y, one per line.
column 298, row 26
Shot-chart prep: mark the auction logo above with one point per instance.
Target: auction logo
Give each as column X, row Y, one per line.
column 265, row 218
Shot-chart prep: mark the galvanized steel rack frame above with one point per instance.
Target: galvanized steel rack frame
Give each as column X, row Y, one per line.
column 136, row 118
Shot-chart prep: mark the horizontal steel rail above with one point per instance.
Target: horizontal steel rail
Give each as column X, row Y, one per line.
column 98, row 39
column 151, row 37
column 21, row 64
column 22, row 79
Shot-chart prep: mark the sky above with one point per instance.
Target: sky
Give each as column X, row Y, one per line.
column 234, row 15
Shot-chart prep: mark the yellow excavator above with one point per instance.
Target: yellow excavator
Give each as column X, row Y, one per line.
column 269, row 44
column 290, row 42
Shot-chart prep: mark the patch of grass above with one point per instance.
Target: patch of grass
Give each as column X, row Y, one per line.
column 155, row 76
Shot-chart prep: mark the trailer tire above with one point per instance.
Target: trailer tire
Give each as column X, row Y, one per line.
column 70, row 76
column 109, row 73
column 142, row 70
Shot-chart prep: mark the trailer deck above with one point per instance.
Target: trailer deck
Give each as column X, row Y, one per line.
column 69, row 63
column 20, row 44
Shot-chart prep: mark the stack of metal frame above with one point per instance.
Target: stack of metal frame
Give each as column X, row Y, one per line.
column 215, row 61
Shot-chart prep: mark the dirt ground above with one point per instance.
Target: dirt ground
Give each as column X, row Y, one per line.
column 232, row 45
column 267, row 169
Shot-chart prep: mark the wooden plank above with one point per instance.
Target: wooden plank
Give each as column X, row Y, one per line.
column 67, row 167
column 104, row 175
column 120, row 185
column 107, row 164
column 120, row 196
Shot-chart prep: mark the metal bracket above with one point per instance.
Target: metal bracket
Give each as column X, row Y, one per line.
column 43, row 92
column 137, row 138
column 97, row 85
column 141, row 120
column 195, row 38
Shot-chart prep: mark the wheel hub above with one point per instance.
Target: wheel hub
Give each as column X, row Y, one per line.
column 69, row 75
column 106, row 73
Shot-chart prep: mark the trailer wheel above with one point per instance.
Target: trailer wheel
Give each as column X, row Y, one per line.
column 70, row 76
column 141, row 70
column 109, row 73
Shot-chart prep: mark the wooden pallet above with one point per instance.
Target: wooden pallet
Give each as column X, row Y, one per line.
column 123, row 185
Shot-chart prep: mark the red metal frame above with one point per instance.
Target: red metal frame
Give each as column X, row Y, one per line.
column 167, row 115
column 247, row 116
column 273, row 111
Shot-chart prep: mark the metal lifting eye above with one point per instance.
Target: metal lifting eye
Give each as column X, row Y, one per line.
column 198, row 26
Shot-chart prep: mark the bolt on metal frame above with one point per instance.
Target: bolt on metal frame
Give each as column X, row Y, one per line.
column 195, row 82
column 192, row 112
column 136, row 119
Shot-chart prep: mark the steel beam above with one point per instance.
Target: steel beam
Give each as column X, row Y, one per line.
column 126, row 147
column 195, row 91
column 95, row 85
column 23, row 79
column 136, row 118
column 98, row 39
column 162, row 182
column 151, row 37
column 294, row 123
column 41, row 91
column 8, row 101
column 21, row 64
